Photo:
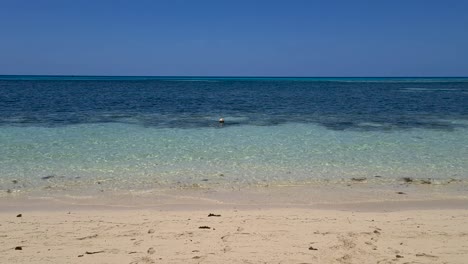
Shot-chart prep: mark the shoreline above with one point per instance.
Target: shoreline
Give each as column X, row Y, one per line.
column 359, row 197
column 376, row 207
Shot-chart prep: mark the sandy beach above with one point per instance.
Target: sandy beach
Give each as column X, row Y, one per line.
column 377, row 232
column 219, row 132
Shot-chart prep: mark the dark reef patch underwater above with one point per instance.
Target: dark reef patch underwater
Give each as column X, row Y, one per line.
column 335, row 103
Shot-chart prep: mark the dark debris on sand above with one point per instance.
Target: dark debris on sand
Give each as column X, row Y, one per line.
column 422, row 181
column 214, row 215
column 361, row 179
column 428, row 181
column 94, row 252
column 407, row 179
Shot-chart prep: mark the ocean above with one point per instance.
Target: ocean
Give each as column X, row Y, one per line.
column 89, row 134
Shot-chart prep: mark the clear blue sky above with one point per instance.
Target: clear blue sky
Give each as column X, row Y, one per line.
column 234, row 38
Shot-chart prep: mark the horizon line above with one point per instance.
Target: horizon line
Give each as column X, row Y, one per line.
column 220, row 76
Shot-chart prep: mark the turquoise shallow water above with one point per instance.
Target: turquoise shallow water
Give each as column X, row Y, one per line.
column 122, row 156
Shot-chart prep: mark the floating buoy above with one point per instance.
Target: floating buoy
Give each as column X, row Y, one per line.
column 221, row 120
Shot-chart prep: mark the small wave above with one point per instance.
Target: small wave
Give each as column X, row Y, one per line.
column 180, row 80
column 418, row 89
column 370, row 124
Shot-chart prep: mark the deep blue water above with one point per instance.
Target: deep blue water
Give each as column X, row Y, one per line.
column 193, row 102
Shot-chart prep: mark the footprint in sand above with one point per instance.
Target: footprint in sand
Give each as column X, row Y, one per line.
column 137, row 243
column 426, row 255
column 143, row 260
column 151, row 251
column 227, row 249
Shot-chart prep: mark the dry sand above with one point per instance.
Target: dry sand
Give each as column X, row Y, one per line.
column 243, row 235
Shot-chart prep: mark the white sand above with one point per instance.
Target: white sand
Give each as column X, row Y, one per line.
column 357, row 223
column 274, row 235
